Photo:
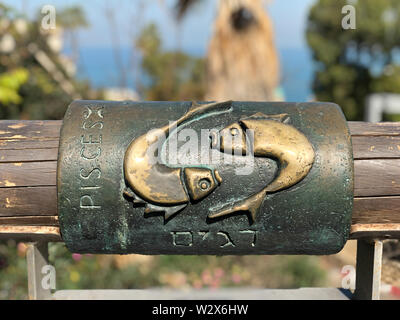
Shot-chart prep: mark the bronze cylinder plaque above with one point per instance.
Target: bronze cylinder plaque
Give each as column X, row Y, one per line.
column 205, row 178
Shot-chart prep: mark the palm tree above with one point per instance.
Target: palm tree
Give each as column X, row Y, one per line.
column 242, row 62
column 71, row 19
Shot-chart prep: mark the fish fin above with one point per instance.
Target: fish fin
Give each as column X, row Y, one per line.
column 286, row 120
column 283, row 117
column 194, row 105
column 251, row 205
column 137, row 200
column 128, row 193
column 204, row 109
column 131, row 195
column 168, row 211
column 171, row 211
column 208, row 107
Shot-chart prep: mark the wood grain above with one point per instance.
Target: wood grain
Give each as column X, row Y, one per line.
column 376, row 210
column 30, row 233
column 377, row 177
column 358, row 128
column 30, row 221
column 28, row 195
column 29, row 201
column 28, row 163
column 376, row 147
column 28, row 174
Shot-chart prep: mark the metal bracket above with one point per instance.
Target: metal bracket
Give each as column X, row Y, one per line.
column 37, row 257
column 368, row 276
column 368, row 270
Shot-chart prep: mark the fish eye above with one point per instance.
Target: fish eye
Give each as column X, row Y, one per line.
column 234, row 131
column 204, row 184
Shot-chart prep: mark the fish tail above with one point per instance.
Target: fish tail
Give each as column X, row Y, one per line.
column 197, row 109
column 251, row 205
column 168, row 211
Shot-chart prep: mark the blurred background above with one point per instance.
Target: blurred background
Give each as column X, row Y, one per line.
column 286, row 50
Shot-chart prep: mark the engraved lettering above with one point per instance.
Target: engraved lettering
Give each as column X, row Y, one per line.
column 93, row 125
column 203, row 234
column 252, row 232
column 182, row 238
column 228, row 239
column 87, row 175
column 91, row 156
column 89, row 140
column 186, row 238
column 93, row 109
column 91, row 150
column 86, row 202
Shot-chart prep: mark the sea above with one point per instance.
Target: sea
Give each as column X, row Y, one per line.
column 99, row 66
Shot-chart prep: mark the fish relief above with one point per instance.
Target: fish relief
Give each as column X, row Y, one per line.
column 162, row 188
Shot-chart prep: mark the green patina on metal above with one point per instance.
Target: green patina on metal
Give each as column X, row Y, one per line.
column 250, row 178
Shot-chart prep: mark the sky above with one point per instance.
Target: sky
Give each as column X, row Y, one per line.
column 97, row 62
column 191, row 34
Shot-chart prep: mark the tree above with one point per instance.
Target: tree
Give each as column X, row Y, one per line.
column 10, row 82
column 72, row 19
column 34, row 80
column 242, row 61
column 172, row 75
column 352, row 63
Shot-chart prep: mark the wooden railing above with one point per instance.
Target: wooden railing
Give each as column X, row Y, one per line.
column 28, row 192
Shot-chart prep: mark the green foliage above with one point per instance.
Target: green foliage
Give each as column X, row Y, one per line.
column 13, row 275
column 351, row 63
column 300, row 272
column 27, row 90
column 75, row 271
column 10, row 82
column 72, row 18
column 172, row 75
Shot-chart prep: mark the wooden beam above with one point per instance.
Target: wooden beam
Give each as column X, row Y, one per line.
column 376, row 177
column 30, row 233
column 28, row 194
